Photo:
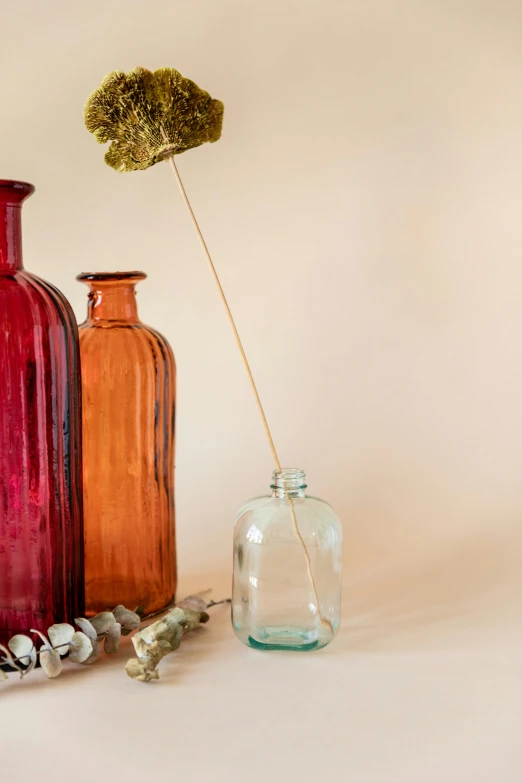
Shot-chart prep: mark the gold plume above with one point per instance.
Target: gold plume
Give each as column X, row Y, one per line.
column 150, row 116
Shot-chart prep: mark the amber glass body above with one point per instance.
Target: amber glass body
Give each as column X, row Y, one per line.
column 128, row 387
column 41, row 534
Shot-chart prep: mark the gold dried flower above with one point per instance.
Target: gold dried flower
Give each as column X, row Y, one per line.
column 150, row 116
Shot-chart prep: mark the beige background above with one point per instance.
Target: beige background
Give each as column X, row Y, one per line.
column 364, row 210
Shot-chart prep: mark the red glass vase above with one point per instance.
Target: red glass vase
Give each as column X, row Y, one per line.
column 41, row 530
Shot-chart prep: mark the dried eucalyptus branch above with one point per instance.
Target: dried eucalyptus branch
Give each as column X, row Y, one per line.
column 84, row 646
column 164, row 636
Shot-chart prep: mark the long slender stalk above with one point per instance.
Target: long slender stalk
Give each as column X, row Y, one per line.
column 228, row 311
column 277, row 462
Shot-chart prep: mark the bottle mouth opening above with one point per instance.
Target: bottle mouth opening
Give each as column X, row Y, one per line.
column 289, row 478
column 111, row 277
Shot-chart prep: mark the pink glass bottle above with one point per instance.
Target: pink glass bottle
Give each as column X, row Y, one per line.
column 41, row 530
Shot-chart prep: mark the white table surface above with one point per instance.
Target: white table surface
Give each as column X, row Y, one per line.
column 422, row 685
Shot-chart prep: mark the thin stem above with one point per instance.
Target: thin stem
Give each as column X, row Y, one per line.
column 215, row 275
column 228, row 312
column 324, row 620
column 218, row 603
column 46, row 648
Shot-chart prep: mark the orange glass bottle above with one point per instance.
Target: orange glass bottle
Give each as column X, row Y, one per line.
column 128, row 385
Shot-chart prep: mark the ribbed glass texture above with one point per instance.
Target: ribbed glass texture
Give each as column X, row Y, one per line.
column 128, row 380
column 41, row 535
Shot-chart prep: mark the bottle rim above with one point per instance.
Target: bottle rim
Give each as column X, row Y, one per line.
column 289, row 478
column 108, row 277
column 14, row 191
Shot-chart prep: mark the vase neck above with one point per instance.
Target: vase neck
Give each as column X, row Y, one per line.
column 288, row 483
column 112, row 296
column 12, row 194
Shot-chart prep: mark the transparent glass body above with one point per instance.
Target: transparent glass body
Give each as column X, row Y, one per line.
column 287, row 568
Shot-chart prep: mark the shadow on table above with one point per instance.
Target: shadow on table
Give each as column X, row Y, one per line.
column 416, row 601
column 411, row 601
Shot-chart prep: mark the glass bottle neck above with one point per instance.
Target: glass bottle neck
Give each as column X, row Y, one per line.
column 112, row 296
column 112, row 304
column 10, row 238
column 12, row 194
column 288, row 483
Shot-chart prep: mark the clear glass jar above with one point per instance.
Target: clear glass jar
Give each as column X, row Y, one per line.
column 287, row 568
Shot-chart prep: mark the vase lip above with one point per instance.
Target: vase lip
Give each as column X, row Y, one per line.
column 13, row 191
column 289, row 478
column 100, row 277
